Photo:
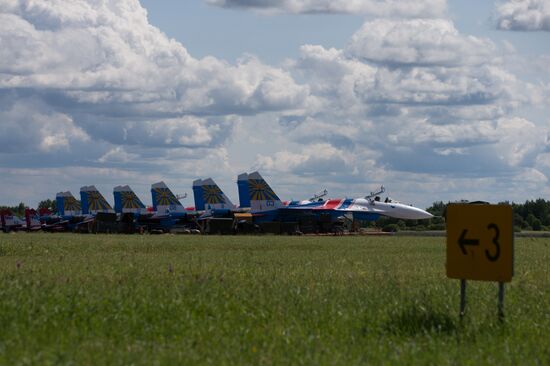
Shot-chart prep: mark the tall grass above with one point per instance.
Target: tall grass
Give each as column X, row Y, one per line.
column 111, row 299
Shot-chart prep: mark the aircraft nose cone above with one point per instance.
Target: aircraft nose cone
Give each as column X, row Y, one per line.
column 423, row 214
column 415, row 213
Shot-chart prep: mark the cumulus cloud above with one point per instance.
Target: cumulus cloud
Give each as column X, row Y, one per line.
column 31, row 126
column 96, row 81
column 523, row 15
column 418, row 96
column 90, row 90
column 107, row 52
column 420, row 42
column 398, row 8
column 319, row 159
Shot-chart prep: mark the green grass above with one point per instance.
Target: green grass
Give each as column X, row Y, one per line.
column 99, row 299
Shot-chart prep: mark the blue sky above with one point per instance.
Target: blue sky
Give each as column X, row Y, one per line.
column 229, row 33
column 436, row 100
column 226, row 33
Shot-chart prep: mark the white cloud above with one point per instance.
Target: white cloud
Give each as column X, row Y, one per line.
column 319, row 159
column 521, row 141
column 420, row 95
column 523, row 15
column 107, row 52
column 29, row 126
column 418, row 42
column 398, row 8
column 413, row 104
column 93, row 82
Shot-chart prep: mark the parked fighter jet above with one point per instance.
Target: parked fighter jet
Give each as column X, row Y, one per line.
column 10, row 222
column 93, row 202
column 244, row 194
column 67, row 205
column 266, row 205
column 210, row 199
column 168, row 212
column 132, row 214
column 68, row 216
column 126, row 201
column 165, row 203
column 32, row 220
column 217, row 213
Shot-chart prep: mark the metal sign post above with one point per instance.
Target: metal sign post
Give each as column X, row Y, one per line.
column 501, row 301
column 480, row 246
column 462, row 298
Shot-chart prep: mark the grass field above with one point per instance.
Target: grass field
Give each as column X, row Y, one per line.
column 94, row 299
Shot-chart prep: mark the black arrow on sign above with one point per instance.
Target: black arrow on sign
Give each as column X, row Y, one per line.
column 462, row 242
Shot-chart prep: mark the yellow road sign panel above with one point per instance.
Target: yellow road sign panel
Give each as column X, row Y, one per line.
column 480, row 242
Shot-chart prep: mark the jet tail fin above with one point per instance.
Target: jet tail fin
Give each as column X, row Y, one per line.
column 67, row 205
column 93, row 201
column 213, row 196
column 126, row 201
column 262, row 197
column 242, row 184
column 164, row 201
column 198, row 195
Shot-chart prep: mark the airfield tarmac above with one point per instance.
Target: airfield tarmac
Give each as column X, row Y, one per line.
column 166, row 299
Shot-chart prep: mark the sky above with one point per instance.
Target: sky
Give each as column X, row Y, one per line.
column 435, row 100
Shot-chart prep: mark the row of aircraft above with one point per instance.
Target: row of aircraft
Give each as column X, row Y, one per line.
column 258, row 204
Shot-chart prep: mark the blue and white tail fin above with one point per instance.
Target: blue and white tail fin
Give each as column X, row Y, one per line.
column 213, row 196
column 93, row 202
column 164, row 201
column 126, row 201
column 262, row 197
column 198, row 195
column 242, row 184
column 67, row 205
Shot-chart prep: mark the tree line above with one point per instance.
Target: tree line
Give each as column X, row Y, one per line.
column 19, row 210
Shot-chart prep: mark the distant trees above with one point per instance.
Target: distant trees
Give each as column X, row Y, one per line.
column 18, row 210
column 48, row 204
column 532, row 215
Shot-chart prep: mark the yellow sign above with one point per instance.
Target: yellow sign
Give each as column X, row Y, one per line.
column 480, row 242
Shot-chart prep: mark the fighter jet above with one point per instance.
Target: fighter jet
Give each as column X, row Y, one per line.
column 210, row 199
column 265, row 203
column 127, row 202
column 165, row 203
column 32, row 220
column 10, row 222
column 67, row 205
column 93, row 201
column 168, row 212
column 68, row 215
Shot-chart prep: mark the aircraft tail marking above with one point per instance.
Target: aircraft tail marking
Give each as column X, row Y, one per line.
column 93, row 201
column 213, row 196
column 126, row 201
column 262, row 197
column 67, row 204
column 164, row 200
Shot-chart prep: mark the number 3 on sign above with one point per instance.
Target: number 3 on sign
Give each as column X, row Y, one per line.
column 480, row 242
column 493, row 258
